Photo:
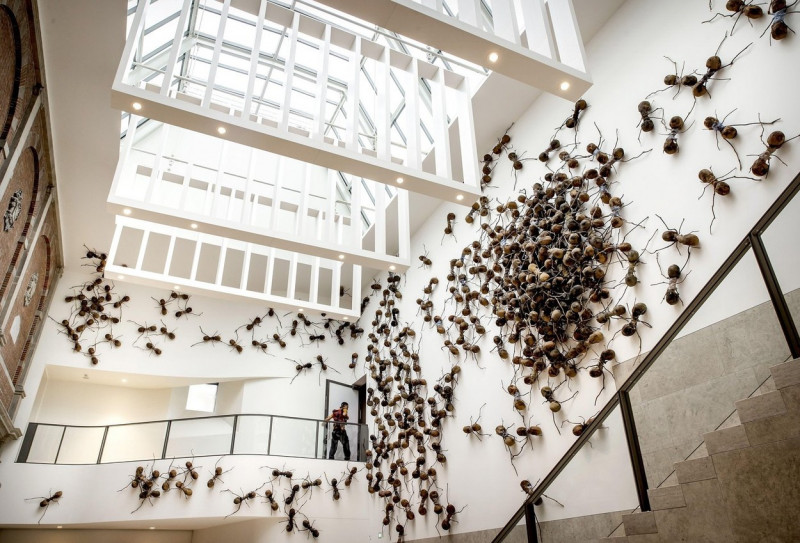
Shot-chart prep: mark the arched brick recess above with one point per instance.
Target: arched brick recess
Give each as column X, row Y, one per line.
column 43, row 260
column 27, row 78
column 15, row 351
column 31, row 176
column 10, row 69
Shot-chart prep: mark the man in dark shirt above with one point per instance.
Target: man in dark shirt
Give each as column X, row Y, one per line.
column 339, row 416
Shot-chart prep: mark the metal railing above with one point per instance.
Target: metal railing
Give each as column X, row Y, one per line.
column 271, row 435
column 752, row 240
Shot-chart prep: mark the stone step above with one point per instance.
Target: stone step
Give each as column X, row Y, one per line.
column 698, row 469
column 666, row 497
column 786, row 374
column 640, row 523
column 772, row 429
column 759, row 407
column 725, row 440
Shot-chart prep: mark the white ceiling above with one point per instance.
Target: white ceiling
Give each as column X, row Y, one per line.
column 82, row 44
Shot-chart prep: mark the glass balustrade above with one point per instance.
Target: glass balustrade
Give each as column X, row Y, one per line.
column 204, row 436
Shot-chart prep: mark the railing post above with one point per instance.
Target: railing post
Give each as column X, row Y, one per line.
column 530, row 523
column 358, row 445
column 775, row 294
column 27, row 442
column 61, row 442
column 316, row 441
column 269, row 437
column 233, row 433
column 637, row 463
column 102, row 445
column 166, row 440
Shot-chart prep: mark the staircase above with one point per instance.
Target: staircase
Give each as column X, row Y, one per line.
column 748, row 487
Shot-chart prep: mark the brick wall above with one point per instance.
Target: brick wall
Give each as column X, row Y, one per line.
column 31, row 176
column 17, row 354
column 19, row 66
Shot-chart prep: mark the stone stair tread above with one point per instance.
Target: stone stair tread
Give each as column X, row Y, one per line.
column 728, row 439
column 786, row 374
column 771, row 429
column 640, row 523
column 666, row 497
column 698, row 469
column 758, row 407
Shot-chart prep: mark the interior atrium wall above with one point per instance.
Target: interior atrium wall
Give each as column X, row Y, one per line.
column 626, row 59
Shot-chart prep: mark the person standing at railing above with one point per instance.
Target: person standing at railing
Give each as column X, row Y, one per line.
column 339, row 417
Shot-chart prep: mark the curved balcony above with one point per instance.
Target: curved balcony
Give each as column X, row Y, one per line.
column 251, row 434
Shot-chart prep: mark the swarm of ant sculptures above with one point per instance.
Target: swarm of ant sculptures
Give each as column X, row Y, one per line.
column 407, row 443
column 95, row 308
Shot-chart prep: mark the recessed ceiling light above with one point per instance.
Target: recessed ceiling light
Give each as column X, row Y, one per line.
column 459, row 197
column 565, row 85
column 124, row 380
column 59, row 527
column 152, row 527
column 221, row 130
column 176, row 287
column 392, row 267
column 346, row 318
column 400, row 180
column 126, row 211
column 194, row 226
column 137, row 106
column 120, row 277
column 341, row 257
column 493, row 57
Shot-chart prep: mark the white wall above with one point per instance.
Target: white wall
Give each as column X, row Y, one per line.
column 626, row 62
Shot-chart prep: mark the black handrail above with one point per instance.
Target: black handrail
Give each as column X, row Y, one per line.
column 318, row 423
column 621, row 397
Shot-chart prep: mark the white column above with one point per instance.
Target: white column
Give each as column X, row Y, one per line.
column 212, row 71
column 466, row 133
column 318, row 128
column 251, row 80
column 441, row 131
column 353, row 93
column 383, row 114
column 537, row 27
column 289, row 73
column 175, row 49
column 504, row 18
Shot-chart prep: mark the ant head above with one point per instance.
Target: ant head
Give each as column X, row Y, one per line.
column 714, row 63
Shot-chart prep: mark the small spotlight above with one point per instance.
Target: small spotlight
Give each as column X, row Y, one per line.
column 124, row 380
column 120, row 277
column 346, row 318
column 459, row 197
column 399, row 180
column 152, row 527
column 194, row 226
column 392, row 267
column 126, row 211
column 176, row 287
column 59, row 527
column 221, row 130
column 565, row 85
column 493, row 57
column 136, row 106
column 341, row 257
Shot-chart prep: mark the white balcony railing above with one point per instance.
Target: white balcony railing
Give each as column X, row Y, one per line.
column 537, row 42
column 276, row 103
column 176, row 177
column 165, row 256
